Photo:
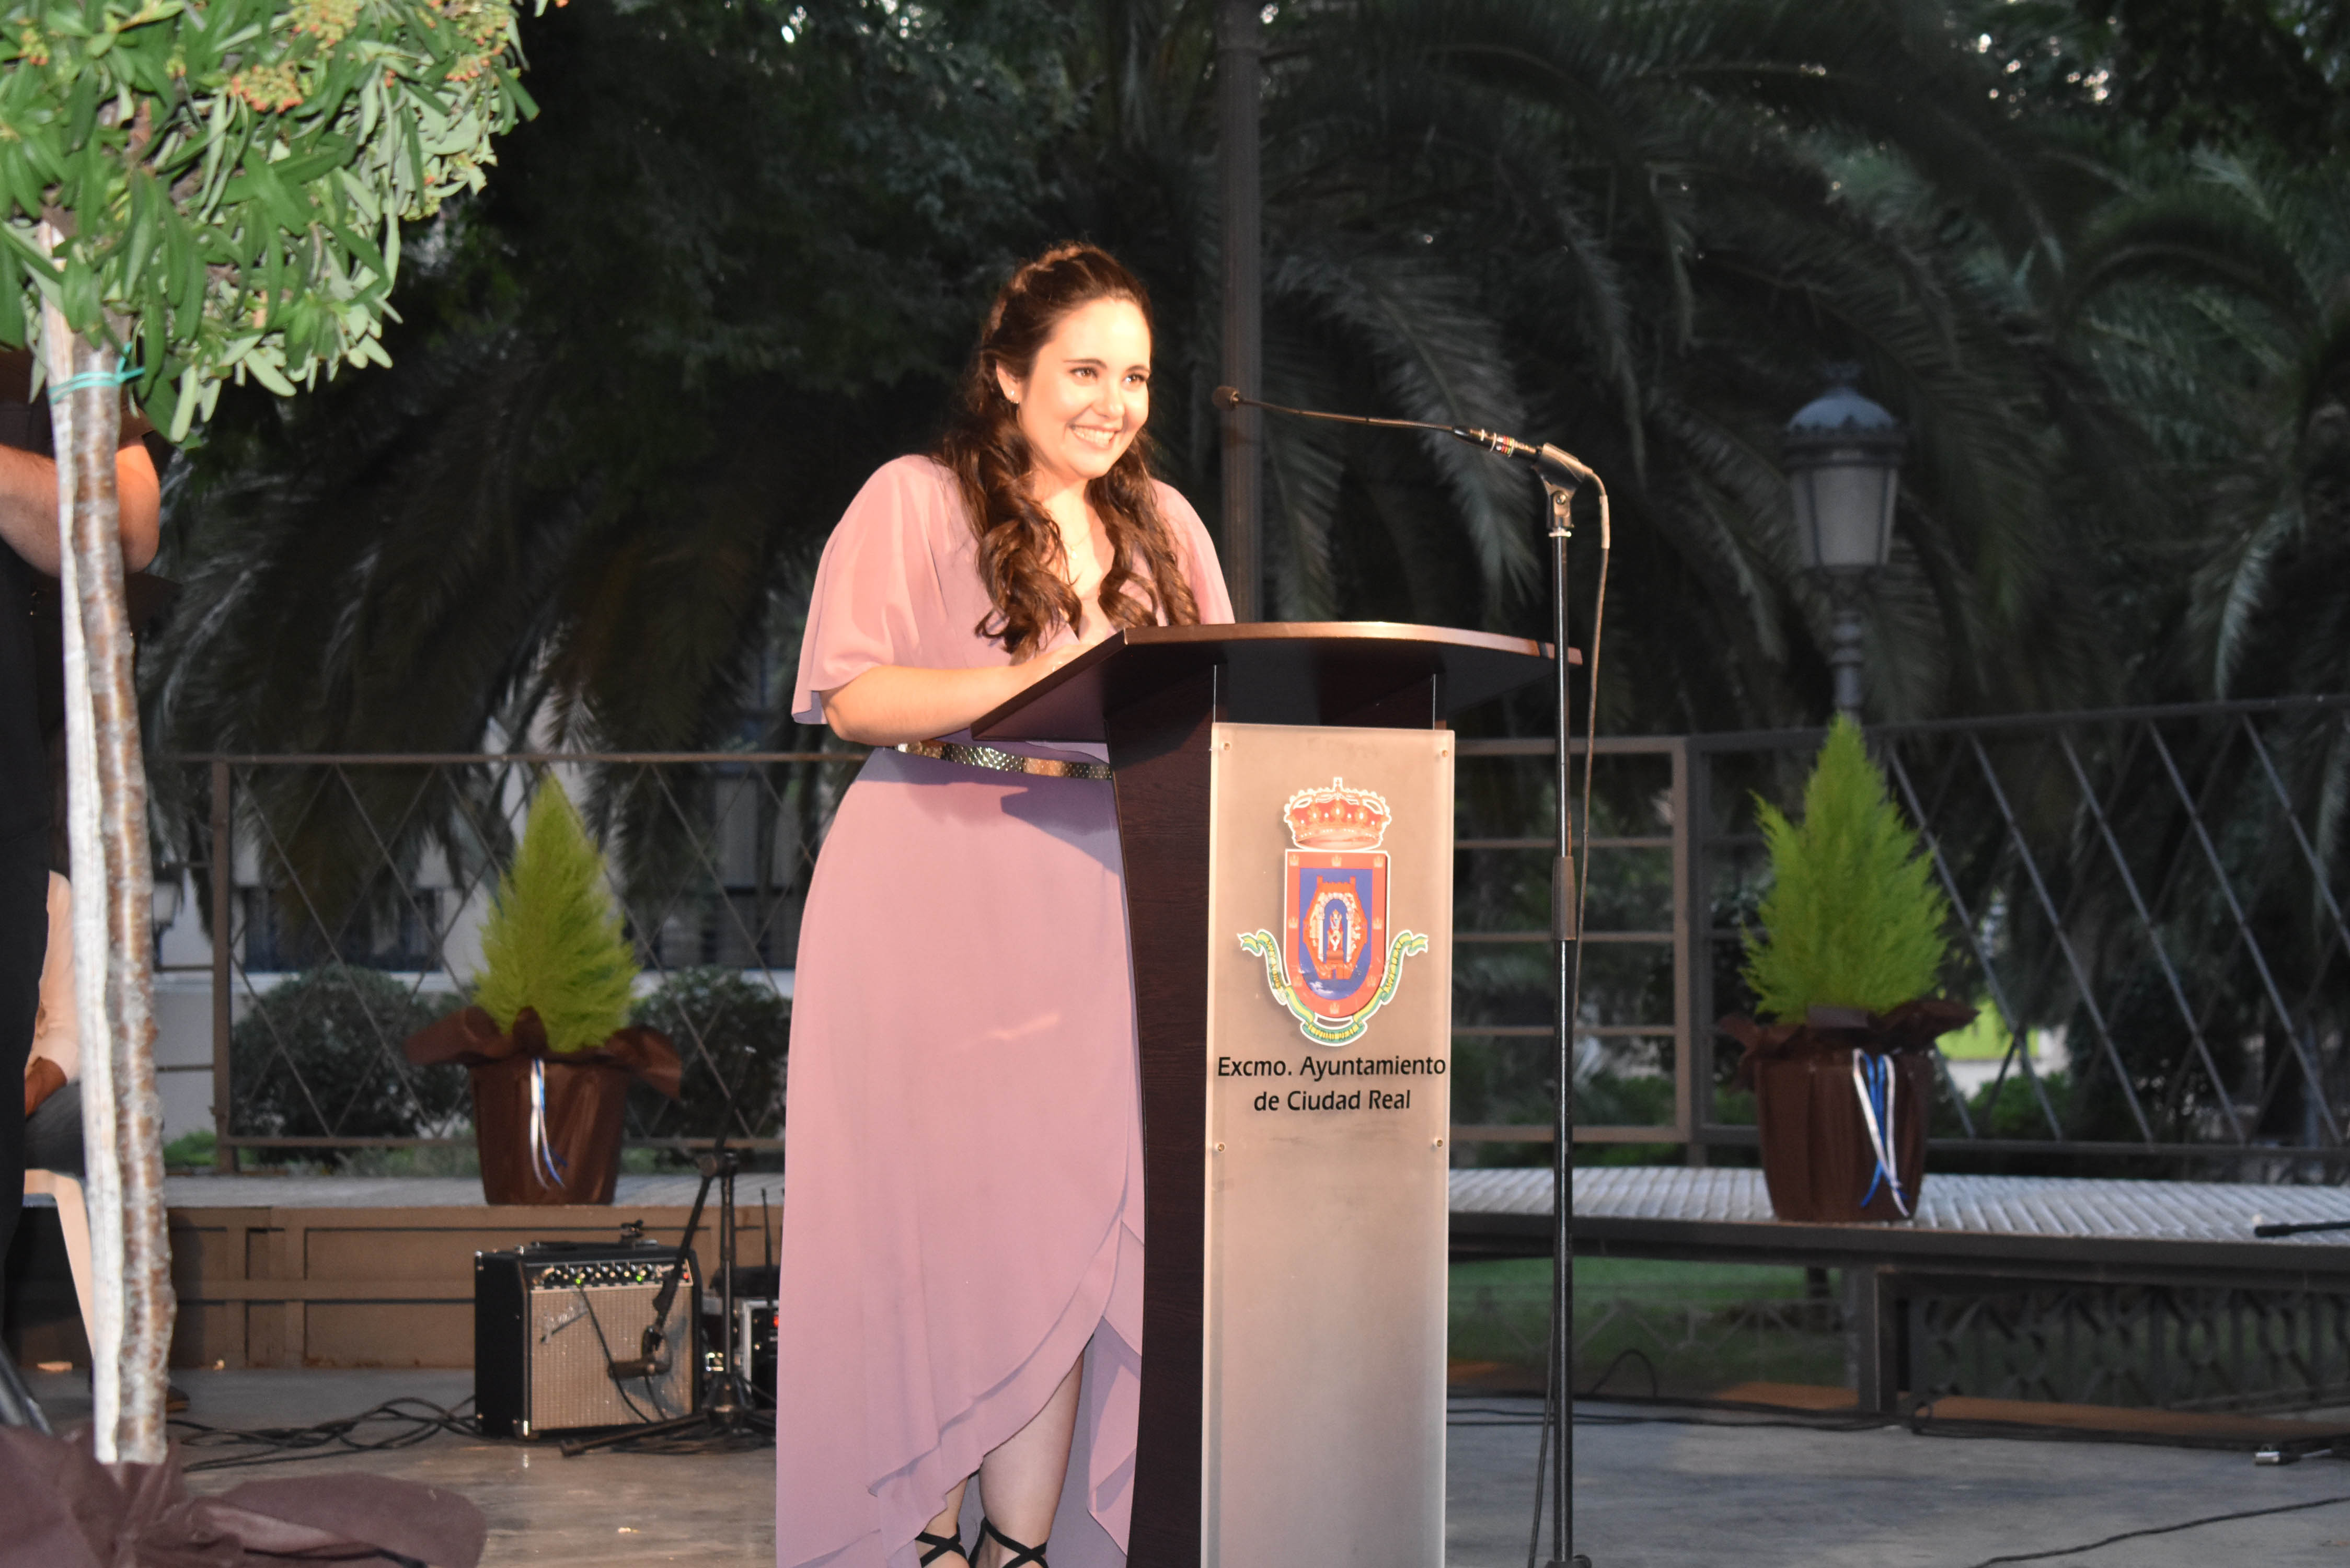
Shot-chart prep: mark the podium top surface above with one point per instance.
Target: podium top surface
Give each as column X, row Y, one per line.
column 1277, row 672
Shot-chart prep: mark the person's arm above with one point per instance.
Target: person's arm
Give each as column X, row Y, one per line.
column 56, row 1052
column 139, row 496
column 28, row 506
column 894, row 702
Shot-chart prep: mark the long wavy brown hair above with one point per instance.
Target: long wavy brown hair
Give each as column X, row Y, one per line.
column 1021, row 557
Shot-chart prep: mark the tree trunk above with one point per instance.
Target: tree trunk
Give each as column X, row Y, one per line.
column 106, row 804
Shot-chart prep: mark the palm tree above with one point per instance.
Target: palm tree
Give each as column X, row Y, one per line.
column 2219, row 296
column 2213, row 294
column 1675, row 213
column 1639, row 226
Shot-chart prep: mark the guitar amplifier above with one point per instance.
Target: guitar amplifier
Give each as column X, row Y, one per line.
column 551, row 1318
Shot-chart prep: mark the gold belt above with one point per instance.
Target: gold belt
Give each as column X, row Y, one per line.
column 1004, row 761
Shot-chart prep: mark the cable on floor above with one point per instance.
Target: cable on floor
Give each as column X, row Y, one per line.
column 1977, row 1429
column 413, row 1421
column 757, row 1431
column 2165, row 1530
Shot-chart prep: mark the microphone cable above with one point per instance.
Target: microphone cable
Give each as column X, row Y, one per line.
column 1591, row 733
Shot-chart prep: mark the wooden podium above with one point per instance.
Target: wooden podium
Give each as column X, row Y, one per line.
column 1285, row 804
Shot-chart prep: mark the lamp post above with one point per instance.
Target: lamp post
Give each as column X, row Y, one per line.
column 1842, row 457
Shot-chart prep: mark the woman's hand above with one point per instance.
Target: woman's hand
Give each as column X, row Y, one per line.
column 894, row 702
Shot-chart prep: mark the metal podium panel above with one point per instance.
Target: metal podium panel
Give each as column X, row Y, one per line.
column 1327, row 1056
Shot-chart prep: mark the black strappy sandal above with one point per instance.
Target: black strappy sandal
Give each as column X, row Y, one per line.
column 940, row 1546
column 1019, row 1553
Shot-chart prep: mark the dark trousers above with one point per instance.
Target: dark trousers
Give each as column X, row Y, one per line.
column 53, row 1136
column 24, row 939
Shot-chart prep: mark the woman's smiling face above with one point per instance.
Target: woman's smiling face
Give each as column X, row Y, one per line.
column 1087, row 397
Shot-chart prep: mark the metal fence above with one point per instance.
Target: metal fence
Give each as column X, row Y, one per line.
column 355, row 892
column 2162, row 1346
column 1639, row 1037
column 2172, row 1347
column 2148, row 910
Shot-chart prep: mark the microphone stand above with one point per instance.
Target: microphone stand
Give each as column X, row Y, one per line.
column 724, row 1412
column 17, row 1406
column 1558, row 1396
column 1561, row 474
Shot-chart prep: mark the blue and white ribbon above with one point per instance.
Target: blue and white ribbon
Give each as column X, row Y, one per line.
column 1873, row 1079
column 545, row 1164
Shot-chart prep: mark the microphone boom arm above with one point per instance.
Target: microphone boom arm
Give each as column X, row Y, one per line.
column 1556, row 466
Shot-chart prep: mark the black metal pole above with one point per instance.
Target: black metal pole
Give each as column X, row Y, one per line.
column 727, row 1405
column 1566, row 932
column 1239, row 71
column 1845, row 639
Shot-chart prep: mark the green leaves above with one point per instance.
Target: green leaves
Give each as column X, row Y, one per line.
column 1854, row 917
column 220, row 170
column 552, row 940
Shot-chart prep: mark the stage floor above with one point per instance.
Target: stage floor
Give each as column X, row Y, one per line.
column 2010, row 1227
column 2066, row 1209
column 1650, row 1493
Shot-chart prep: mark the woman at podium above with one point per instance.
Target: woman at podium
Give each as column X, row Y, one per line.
column 962, row 1227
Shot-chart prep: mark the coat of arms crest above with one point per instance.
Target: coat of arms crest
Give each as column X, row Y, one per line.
column 1335, row 963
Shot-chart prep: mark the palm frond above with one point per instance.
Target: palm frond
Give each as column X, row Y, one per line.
column 1436, row 358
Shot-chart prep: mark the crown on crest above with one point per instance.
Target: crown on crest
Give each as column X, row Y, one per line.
column 1336, row 818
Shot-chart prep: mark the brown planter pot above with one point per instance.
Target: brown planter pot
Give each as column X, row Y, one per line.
column 1818, row 1161
column 583, row 1130
column 585, row 1094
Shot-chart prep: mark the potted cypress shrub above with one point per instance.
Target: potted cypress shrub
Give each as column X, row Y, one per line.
column 1852, row 946
column 548, row 1042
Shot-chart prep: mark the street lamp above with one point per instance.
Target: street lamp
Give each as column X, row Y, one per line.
column 1842, row 457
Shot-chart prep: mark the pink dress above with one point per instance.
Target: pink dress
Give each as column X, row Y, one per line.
column 962, row 1214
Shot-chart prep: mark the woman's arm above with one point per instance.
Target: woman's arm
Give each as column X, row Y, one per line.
column 894, row 702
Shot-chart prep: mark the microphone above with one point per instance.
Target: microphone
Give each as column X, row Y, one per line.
column 648, row 1363
column 1555, row 464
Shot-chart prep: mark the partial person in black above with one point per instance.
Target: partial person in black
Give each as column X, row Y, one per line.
column 28, row 566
